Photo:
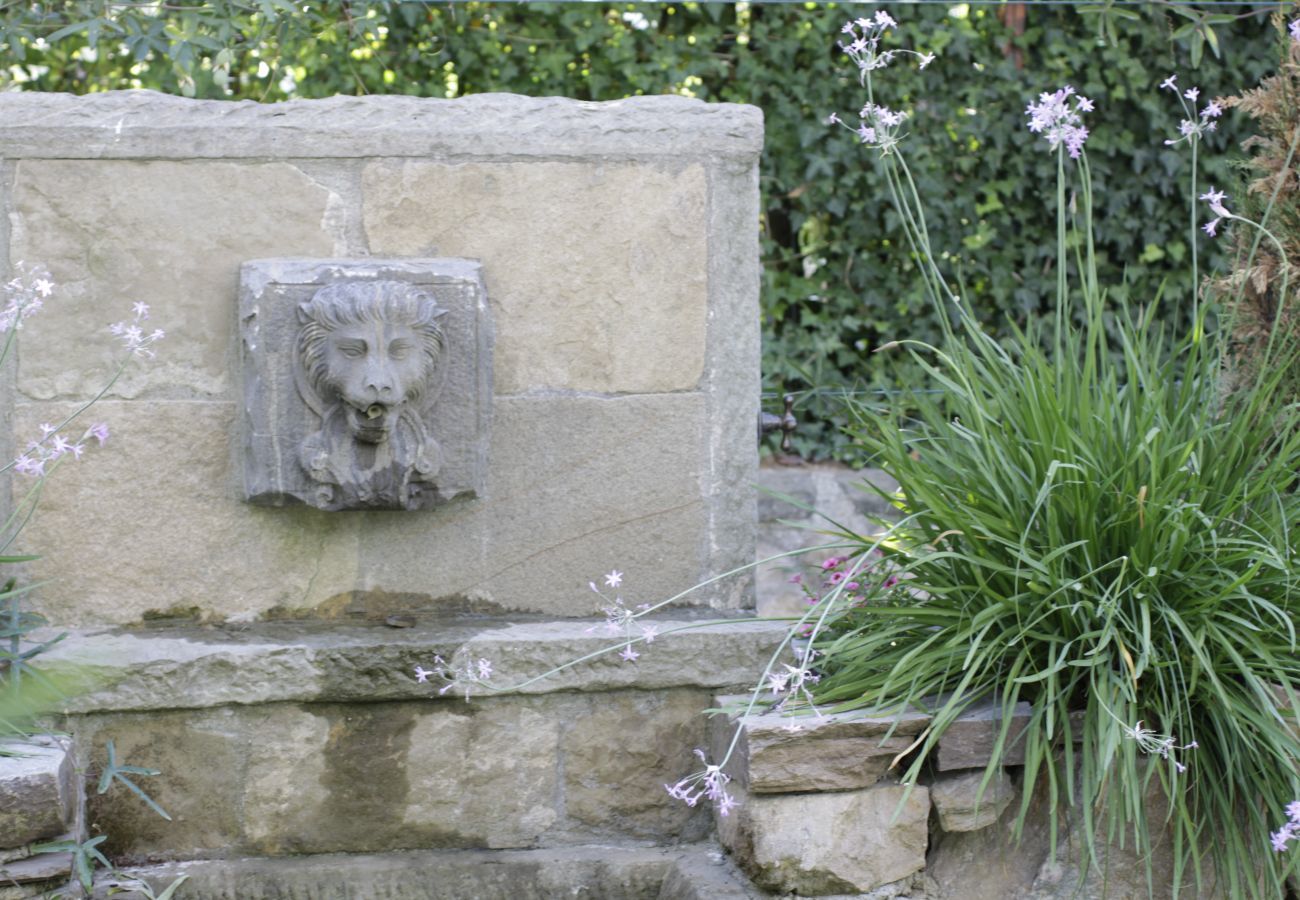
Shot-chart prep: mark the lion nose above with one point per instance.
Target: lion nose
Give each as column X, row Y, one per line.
column 379, row 383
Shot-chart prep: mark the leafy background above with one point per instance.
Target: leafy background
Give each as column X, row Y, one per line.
column 837, row 283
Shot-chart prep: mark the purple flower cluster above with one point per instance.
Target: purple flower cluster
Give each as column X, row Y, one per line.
column 863, row 46
column 1291, row 830
column 879, row 125
column 1162, row 745
column 710, row 784
column 1294, row 28
column 1054, row 118
column 1195, row 125
column 622, row 621
column 25, row 294
column 463, row 672
column 133, row 336
column 53, row 446
column 1215, row 199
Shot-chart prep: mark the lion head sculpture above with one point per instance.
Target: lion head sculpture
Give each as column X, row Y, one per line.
column 368, row 358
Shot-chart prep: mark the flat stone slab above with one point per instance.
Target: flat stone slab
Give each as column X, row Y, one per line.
column 828, row 843
column 830, row 752
column 197, row 667
column 963, row 806
column 37, row 791
column 698, row 872
column 126, row 124
column 968, row 742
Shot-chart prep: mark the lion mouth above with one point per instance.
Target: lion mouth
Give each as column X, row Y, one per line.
column 370, row 424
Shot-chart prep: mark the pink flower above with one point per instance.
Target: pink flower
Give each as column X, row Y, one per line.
column 629, row 654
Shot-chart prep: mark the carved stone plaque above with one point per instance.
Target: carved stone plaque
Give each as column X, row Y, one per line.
column 367, row 383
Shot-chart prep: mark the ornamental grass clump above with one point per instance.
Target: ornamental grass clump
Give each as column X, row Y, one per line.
column 1096, row 524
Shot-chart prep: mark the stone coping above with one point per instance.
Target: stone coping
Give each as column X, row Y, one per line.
column 150, row 125
column 191, row 667
column 689, row 872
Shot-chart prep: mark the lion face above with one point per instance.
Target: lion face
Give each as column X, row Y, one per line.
column 370, row 350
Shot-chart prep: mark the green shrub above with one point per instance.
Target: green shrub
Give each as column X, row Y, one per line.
column 1107, row 536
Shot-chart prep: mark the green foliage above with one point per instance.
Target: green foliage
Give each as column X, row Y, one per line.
column 1110, row 538
column 837, row 283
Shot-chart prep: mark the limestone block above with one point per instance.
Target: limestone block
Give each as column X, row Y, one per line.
column 167, row 233
column 832, row 752
column 37, row 790
column 35, row 876
column 126, row 124
column 483, row 775
column 367, row 777
column 828, row 843
column 621, row 749
column 576, row 486
column 195, row 667
column 968, row 741
column 607, row 871
column 200, row 757
column 613, row 302
column 302, row 407
column 963, row 806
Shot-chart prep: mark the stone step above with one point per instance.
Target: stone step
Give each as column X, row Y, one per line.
column 616, row 872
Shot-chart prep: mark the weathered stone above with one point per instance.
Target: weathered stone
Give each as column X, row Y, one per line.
column 963, row 805
column 839, row 494
column 200, row 758
column 969, row 740
column 35, row 875
column 196, row 667
column 573, row 490
column 1119, row 870
column 145, row 124
column 608, row 871
column 621, row 749
column 731, row 376
column 990, row 864
column 831, row 843
column 484, row 776
column 337, row 418
column 627, row 311
column 37, row 790
column 831, row 752
column 108, row 233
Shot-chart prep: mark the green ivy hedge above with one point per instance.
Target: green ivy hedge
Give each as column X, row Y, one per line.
column 837, row 281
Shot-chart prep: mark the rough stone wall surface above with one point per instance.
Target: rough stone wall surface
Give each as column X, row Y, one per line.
column 619, row 249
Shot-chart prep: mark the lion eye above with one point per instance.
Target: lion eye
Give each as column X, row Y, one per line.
column 399, row 349
column 352, row 351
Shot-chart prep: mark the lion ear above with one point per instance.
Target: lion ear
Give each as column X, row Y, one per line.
column 304, row 313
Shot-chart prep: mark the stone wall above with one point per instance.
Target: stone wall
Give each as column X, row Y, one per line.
column 618, row 244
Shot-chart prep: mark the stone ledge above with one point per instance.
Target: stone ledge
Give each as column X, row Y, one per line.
column 149, row 125
column 687, row 873
column 196, row 667
column 830, row 752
